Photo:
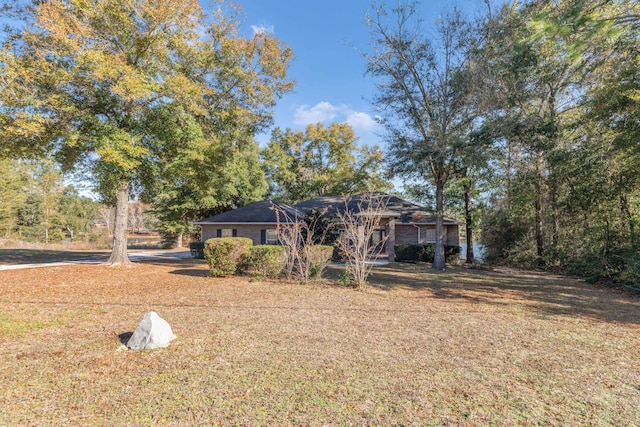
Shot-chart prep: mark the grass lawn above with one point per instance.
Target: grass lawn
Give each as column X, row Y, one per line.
column 463, row 347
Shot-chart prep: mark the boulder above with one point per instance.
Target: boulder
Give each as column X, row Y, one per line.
column 152, row 332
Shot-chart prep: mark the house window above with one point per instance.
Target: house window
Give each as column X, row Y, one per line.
column 430, row 235
column 270, row 237
column 377, row 236
column 226, row 232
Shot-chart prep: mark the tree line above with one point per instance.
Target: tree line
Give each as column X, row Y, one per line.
column 523, row 119
column 39, row 205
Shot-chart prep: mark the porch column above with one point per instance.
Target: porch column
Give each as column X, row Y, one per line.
column 391, row 240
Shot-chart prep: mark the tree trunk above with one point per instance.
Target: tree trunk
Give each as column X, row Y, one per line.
column 438, row 259
column 626, row 214
column 119, row 251
column 538, row 217
column 179, row 241
column 555, row 218
column 468, row 225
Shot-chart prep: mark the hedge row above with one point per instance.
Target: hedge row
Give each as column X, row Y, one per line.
column 228, row 256
column 425, row 253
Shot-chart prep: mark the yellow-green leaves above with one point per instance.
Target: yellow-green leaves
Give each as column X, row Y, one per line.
column 88, row 78
column 120, row 149
column 322, row 161
column 91, row 65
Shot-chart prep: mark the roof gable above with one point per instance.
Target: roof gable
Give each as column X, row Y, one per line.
column 395, row 206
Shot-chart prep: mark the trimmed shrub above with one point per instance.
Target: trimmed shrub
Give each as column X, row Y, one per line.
column 408, row 253
column 197, row 249
column 425, row 253
column 227, row 256
column 267, row 260
column 317, row 258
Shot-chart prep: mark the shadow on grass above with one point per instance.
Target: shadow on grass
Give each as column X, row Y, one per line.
column 544, row 294
column 124, row 337
column 44, row 256
column 184, row 267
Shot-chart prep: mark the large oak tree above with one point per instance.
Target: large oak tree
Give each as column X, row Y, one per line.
column 80, row 81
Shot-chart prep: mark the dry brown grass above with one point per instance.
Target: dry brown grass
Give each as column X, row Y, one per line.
column 463, row 347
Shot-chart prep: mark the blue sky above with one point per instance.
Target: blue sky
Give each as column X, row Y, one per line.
column 329, row 71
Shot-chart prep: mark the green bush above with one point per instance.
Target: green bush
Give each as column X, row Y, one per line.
column 408, row 253
column 429, row 253
column 227, row 256
column 451, row 253
column 267, row 260
column 197, row 249
column 620, row 266
column 425, row 253
column 317, row 258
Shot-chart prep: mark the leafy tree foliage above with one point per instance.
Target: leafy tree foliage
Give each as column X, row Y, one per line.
column 214, row 172
column 38, row 206
column 13, row 181
column 426, row 96
column 77, row 214
column 565, row 122
column 321, row 161
column 85, row 79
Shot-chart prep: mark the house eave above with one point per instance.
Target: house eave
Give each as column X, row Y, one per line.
column 236, row 223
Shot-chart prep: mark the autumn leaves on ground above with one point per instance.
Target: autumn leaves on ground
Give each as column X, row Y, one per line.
column 462, row 347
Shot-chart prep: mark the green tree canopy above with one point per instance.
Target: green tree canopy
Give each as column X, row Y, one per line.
column 426, row 95
column 321, row 161
column 83, row 79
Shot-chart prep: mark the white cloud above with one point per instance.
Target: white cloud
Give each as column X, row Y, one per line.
column 327, row 112
column 321, row 112
column 262, row 29
column 362, row 122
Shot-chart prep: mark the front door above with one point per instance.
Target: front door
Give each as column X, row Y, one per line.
column 378, row 241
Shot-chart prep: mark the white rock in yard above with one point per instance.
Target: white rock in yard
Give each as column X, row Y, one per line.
column 152, row 332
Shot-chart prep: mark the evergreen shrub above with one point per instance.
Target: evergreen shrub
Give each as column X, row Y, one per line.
column 267, row 260
column 227, row 256
column 425, row 253
column 408, row 252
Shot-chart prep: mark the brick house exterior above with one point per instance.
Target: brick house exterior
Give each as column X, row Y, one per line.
column 402, row 221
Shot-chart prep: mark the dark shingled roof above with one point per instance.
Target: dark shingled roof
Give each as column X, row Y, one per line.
column 263, row 212
column 406, row 211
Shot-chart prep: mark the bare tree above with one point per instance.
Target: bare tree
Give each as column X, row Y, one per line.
column 107, row 217
column 356, row 244
column 305, row 258
column 289, row 228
